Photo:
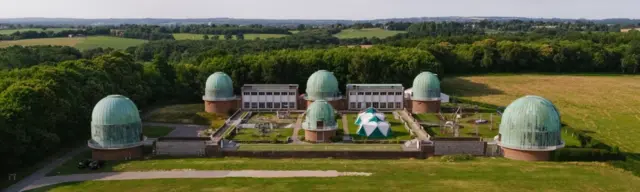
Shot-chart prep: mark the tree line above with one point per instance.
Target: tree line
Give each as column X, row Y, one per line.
column 18, row 35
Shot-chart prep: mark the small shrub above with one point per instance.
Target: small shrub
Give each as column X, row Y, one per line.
column 274, row 140
column 457, row 158
column 336, row 139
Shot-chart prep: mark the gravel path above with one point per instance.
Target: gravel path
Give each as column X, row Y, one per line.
column 186, row 174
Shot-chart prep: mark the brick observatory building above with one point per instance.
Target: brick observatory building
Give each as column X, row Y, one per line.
column 323, row 85
column 425, row 95
column 530, row 129
column 116, row 129
column 218, row 94
column 320, row 122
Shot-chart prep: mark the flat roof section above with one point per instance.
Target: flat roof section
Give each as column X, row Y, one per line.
column 375, row 86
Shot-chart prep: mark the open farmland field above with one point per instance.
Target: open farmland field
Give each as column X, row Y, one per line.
column 10, row 31
column 191, row 36
column 607, row 107
column 80, row 42
column 368, row 33
column 483, row 174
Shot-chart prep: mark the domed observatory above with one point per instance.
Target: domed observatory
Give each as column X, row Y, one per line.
column 323, row 85
column 530, row 129
column 116, row 129
column 320, row 122
column 371, row 124
column 218, row 96
column 425, row 96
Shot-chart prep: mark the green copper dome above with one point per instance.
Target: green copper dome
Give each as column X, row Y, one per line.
column 320, row 111
column 531, row 123
column 218, row 87
column 115, row 123
column 322, row 85
column 426, row 87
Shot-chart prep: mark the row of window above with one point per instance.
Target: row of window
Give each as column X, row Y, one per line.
column 269, row 93
column 269, row 105
column 381, row 105
column 375, row 93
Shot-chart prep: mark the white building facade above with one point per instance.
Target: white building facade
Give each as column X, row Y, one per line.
column 379, row 96
column 269, row 96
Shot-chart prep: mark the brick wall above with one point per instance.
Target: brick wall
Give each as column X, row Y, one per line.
column 419, row 107
column 459, row 147
column 220, row 107
column 319, row 136
column 117, row 154
column 526, row 155
column 181, row 148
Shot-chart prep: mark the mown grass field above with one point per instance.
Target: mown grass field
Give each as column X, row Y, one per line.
column 10, row 31
column 156, row 131
column 184, row 114
column 482, row 174
column 368, row 33
column 78, row 42
column 608, row 107
column 191, row 36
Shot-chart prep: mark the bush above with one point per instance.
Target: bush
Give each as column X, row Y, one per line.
column 456, row 158
column 586, row 154
column 336, row 139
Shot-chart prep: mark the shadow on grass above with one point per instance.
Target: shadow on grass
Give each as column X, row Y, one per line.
column 464, row 88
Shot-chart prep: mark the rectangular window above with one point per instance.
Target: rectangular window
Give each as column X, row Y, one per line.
column 368, row 104
column 383, row 105
column 292, row 93
column 276, row 93
column 245, row 93
column 276, row 105
column 260, row 93
column 285, row 105
column 398, row 105
column 254, row 105
column 390, row 105
column 352, row 105
column 269, row 105
column 359, row 105
column 375, row 105
column 376, row 93
column 398, row 93
column 261, row 105
column 247, row 105
column 292, row 105
column 352, row 93
column 383, row 93
column 360, row 93
column 254, row 93
column 284, row 93
column 367, row 93
column 390, row 93
column 269, row 93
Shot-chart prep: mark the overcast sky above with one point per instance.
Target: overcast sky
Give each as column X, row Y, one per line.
column 318, row 9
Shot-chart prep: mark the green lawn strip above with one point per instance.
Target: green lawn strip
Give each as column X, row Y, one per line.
column 156, row 131
column 320, row 147
column 184, row 114
column 253, row 134
column 10, row 31
column 398, row 131
column 482, row 174
column 368, row 33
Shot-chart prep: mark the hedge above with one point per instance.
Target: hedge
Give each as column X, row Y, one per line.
column 586, row 154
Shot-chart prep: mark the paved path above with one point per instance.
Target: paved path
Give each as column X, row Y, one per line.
column 24, row 183
column 296, row 129
column 181, row 130
column 187, row 174
column 420, row 133
column 345, row 128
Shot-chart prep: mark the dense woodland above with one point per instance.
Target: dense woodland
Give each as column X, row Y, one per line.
column 47, row 92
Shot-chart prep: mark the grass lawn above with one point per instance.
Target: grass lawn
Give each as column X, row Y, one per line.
column 78, row 42
column 156, row 131
column 320, row 147
column 184, row 114
column 482, row 174
column 607, row 107
column 10, row 31
column 252, row 134
column 368, row 33
column 192, row 36
column 397, row 129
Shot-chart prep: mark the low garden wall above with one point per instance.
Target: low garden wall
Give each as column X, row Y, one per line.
column 444, row 147
column 329, row 154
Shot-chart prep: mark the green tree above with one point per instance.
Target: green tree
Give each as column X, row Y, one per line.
column 205, row 37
